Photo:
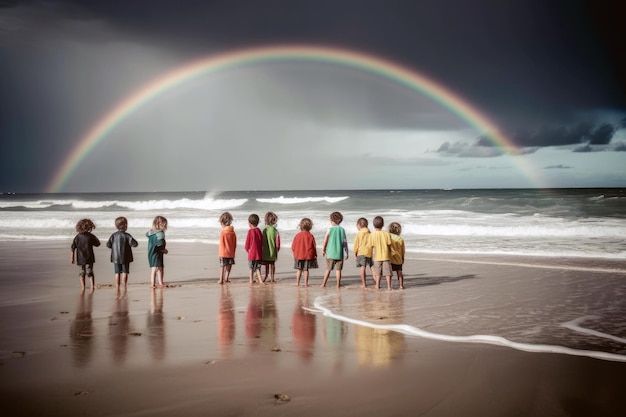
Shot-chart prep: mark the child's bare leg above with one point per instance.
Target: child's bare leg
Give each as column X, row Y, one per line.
column 363, row 283
column 306, row 278
column 251, row 275
column 221, row 280
column 161, row 275
column 298, row 275
column 227, row 276
column 272, row 272
column 82, row 281
column 117, row 280
column 401, row 280
column 388, row 278
column 338, row 274
column 92, row 281
column 153, row 272
column 258, row 276
column 125, row 278
column 326, row 275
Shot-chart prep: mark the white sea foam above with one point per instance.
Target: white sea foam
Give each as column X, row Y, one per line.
column 300, row 200
column 485, row 339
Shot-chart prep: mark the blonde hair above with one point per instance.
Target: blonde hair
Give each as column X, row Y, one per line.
column 226, row 218
column 271, row 218
column 159, row 223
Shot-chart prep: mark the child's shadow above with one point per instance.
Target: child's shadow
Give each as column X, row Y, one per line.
column 422, row 280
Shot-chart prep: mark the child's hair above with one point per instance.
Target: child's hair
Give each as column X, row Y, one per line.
column 336, row 217
column 159, row 223
column 253, row 219
column 271, row 218
column 362, row 222
column 226, row 218
column 378, row 222
column 305, row 224
column 395, row 228
column 84, row 225
column 121, row 223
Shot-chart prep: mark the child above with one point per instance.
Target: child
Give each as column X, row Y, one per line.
column 228, row 245
column 82, row 248
column 335, row 245
column 156, row 250
column 304, row 251
column 397, row 251
column 362, row 249
column 271, row 245
column 121, row 244
column 380, row 241
column 254, row 245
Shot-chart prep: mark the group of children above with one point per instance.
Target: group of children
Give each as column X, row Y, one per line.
column 121, row 244
column 383, row 251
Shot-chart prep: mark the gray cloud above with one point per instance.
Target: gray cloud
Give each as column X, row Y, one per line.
column 560, row 166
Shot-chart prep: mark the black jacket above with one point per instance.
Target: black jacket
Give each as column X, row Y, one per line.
column 120, row 244
column 83, row 245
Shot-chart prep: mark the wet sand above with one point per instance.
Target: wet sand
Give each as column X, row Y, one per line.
column 198, row 348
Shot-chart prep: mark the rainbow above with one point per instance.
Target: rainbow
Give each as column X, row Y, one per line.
column 223, row 61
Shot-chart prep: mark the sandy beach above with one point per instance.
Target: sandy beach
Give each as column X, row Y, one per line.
column 198, row 348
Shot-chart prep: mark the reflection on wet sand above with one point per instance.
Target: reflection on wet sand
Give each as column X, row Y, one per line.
column 119, row 326
column 303, row 326
column 379, row 347
column 262, row 318
column 81, row 330
column 226, row 322
column 156, row 325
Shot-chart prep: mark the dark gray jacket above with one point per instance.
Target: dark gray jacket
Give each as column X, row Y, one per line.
column 120, row 244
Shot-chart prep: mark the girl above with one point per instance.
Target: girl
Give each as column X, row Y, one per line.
column 156, row 249
column 82, row 250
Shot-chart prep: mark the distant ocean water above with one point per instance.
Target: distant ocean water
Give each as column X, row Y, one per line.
column 546, row 222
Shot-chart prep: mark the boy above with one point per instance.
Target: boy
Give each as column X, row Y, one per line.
column 121, row 244
column 362, row 249
column 380, row 241
column 227, row 248
column 254, row 247
column 335, row 244
column 397, row 251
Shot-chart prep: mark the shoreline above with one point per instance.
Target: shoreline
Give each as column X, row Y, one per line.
column 199, row 347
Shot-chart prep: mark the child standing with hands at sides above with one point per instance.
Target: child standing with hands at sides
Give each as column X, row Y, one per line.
column 304, row 251
column 254, row 245
column 397, row 251
column 121, row 244
column 362, row 248
column 271, row 245
column 228, row 245
column 82, row 250
column 334, row 247
column 380, row 241
column 156, row 250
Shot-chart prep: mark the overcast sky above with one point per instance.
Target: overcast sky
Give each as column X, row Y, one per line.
column 550, row 74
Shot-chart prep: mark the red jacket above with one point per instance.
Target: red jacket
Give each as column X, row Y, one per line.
column 303, row 246
column 254, row 244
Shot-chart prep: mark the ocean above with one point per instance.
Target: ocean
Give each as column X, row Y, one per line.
column 576, row 310
column 531, row 222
